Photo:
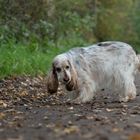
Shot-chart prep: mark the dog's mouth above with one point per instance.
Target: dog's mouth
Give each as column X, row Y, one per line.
column 66, row 82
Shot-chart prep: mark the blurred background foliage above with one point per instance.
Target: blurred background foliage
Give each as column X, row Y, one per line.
column 48, row 27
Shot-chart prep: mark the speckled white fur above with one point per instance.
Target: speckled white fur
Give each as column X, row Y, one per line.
column 89, row 69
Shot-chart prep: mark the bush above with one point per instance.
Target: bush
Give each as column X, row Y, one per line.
column 33, row 32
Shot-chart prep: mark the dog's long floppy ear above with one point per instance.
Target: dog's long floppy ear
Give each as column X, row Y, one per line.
column 52, row 81
column 73, row 84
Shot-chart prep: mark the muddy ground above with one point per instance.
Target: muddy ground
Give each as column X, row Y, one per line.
column 27, row 112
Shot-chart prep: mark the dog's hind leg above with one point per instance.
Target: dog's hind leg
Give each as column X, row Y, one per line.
column 129, row 89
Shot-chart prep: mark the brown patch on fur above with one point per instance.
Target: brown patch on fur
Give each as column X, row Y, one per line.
column 139, row 61
column 52, row 81
column 73, row 84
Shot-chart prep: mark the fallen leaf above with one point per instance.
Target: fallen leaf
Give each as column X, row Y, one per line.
column 2, row 115
column 50, row 125
column 116, row 129
column 78, row 115
column 135, row 137
column 71, row 108
column 90, row 117
column 88, row 135
column 46, row 118
column 137, row 125
column 3, row 104
column 109, row 110
column 70, row 122
column 71, row 129
column 23, row 93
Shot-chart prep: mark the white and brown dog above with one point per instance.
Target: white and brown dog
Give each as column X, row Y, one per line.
column 90, row 69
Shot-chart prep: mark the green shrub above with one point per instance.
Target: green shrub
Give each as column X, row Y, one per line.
column 33, row 32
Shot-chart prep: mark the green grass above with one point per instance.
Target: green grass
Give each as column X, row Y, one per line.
column 136, row 48
column 135, row 45
column 31, row 59
column 20, row 60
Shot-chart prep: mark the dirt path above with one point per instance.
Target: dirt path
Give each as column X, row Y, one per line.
column 28, row 113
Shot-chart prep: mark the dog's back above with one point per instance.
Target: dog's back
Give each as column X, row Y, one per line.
column 106, row 49
column 118, row 53
column 106, row 62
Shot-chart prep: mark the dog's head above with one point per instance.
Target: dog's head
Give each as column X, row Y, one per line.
column 64, row 72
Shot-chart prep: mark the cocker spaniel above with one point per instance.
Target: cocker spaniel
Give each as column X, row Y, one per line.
column 89, row 69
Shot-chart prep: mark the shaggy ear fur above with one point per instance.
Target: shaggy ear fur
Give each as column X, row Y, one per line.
column 138, row 55
column 52, row 81
column 73, row 84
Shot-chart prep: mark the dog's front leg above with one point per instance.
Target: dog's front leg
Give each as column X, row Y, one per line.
column 86, row 93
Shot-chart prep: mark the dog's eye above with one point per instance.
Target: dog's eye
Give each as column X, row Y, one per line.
column 67, row 67
column 58, row 69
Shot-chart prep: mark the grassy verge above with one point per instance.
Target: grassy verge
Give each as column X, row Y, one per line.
column 137, row 49
column 20, row 60
column 31, row 59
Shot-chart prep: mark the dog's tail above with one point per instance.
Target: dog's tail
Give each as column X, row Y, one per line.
column 138, row 56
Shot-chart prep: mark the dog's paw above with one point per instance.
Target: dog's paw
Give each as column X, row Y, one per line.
column 132, row 96
column 124, row 99
column 128, row 98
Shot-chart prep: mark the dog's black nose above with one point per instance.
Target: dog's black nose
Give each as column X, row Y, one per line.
column 66, row 79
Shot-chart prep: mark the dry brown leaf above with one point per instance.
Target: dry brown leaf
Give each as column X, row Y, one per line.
column 45, row 118
column 109, row 110
column 116, row 129
column 70, row 122
column 24, row 84
column 89, row 117
column 3, row 104
column 23, row 93
column 88, row 135
column 78, row 115
column 135, row 137
column 50, row 125
column 71, row 108
column 137, row 125
column 71, row 129
column 2, row 115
